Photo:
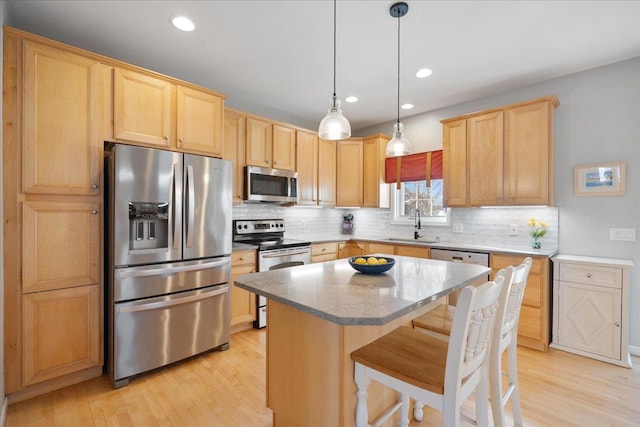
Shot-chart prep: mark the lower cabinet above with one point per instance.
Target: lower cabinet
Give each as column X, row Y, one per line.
column 591, row 306
column 243, row 303
column 414, row 251
column 534, row 327
column 61, row 332
column 351, row 248
column 324, row 252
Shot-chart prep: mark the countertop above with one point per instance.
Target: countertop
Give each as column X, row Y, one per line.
column 334, row 291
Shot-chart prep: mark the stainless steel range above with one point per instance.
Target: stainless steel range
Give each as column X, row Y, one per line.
column 274, row 251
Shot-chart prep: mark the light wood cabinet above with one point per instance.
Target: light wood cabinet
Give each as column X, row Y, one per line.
column 414, row 251
column 591, row 307
column 351, row 248
column 284, row 147
column 54, row 96
column 61, row 150
column 270, row 145
column 62, row 332
column 324, row 251
column 243, row 302
column 327, row 153
column 349, row 172
column 502, row 156
column 380, row 248
column 375, row 190
column 307, row 168
column 156, row 112
column 534, row 326
column 234, row 150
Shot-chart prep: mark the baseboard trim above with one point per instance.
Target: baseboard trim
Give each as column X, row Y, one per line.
column 635, row 351
column 3, row 414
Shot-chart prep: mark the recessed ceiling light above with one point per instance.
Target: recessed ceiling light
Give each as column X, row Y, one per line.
column 406, row 106
column 423, row 72
column 351, row 99
column 183, row 23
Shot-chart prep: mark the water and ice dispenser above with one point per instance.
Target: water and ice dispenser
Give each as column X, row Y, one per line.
column 148, row 225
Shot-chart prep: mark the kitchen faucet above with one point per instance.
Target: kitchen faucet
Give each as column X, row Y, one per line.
column 416, row 224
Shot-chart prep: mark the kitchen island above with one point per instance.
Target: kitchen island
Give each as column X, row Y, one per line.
column 319, row 313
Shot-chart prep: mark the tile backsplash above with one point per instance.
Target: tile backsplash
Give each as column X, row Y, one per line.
column 481, row 226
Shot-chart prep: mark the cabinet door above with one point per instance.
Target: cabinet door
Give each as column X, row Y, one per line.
column 484, row 142
column 234, row 150
column 454, row 163
column 243, row 302
column 326, row 172
column 62, row 332
column 284, row 148
column 413, row 251
column 61, row 246
column 349, row 175
column 380, row 248
column 349, row 249
column 528, row 152
column 199, row 121
column 307, row 164
column 590, row 318
column 143, row 109
column 62, row 152
column 375, row 192
column 258, row 142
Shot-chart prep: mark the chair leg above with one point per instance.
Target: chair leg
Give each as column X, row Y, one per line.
column 482, row 399
column 495, row 382
column 512, row 375
column 404, row 410
column 418, row 414
column 362, row 383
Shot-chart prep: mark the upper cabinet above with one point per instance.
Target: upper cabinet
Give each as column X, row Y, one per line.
column 154, row 111
column 61, row 116
column 327, row 153
column 375, row 190
column 500, row 157
column 316, row 164
column 234, row 149
column 349, row 175
column 270, row 145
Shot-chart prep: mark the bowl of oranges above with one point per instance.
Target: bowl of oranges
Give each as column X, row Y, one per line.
column 371, row 264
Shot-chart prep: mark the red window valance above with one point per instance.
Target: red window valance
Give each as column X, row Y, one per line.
column 414, row 167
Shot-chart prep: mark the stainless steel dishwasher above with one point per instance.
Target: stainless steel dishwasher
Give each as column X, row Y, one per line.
column 465, row 257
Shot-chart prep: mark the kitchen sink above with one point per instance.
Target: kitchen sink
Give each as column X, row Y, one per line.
column 398, row 239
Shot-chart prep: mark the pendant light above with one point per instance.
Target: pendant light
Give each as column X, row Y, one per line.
column 399, row 144
column 334, row 125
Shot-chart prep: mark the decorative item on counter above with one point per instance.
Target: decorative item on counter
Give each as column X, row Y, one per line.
column 537, row 230
column 347, row 223
column 367, row 264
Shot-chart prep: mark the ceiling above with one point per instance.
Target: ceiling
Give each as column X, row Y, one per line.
column 275, row 58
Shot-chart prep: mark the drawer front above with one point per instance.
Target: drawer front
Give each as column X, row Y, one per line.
column 597, row 276
column 322, row 258
column 324, row 248
column 414, row 251
column 380, row 248
column 530, row 324
column 243, row 257
column 503, row 261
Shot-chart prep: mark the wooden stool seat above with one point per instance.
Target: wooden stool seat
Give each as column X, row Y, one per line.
column 409, row 355
column 438, row 320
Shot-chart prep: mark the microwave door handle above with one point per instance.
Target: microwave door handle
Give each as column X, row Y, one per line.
column 190, row 214
column 177, row 216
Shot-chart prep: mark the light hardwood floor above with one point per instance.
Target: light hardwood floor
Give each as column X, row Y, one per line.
column 228, row 389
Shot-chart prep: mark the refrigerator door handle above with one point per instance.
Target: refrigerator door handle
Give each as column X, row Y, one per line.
column 177, row 216
column 171, row 270
column 173, row 302
column 190, row 205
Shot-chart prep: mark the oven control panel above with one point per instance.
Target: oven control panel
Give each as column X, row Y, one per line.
column 257, row 226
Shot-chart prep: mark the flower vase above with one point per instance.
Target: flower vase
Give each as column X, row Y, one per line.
column 536, row 244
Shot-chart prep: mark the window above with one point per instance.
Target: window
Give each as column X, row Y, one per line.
column 416, row 195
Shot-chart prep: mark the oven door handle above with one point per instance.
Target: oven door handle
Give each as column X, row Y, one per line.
column 281, row 254
column 172, row 270
column 173, row 302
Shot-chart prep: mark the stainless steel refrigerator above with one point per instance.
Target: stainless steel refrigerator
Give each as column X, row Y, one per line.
column 168, row 257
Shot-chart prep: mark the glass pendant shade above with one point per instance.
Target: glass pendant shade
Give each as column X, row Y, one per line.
column 399, row 145
column 334, row 125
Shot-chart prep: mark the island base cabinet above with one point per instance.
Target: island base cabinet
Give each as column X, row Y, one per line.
column 310, row 371
column 60, row 332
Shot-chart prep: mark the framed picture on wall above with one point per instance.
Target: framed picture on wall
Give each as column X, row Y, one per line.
column 600, row 179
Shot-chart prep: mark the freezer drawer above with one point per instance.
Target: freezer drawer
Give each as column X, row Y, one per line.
column 154, row 332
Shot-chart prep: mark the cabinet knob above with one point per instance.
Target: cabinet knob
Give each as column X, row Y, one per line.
column 617, row 324
column 241, row 258
column 275, row 163
column 94, row 186
column 94, row 212
column 324, row 249
column 181, row 140
column 589, row 276
column 166, row 138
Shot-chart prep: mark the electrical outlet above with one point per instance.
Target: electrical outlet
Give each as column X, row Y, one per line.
column 302, row 224
column 624, row 234
column 457, row 227
column 513, row 229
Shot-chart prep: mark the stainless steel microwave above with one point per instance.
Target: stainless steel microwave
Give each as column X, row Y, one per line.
column 270, row 185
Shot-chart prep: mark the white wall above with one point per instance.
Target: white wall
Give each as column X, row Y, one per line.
column 598, row 120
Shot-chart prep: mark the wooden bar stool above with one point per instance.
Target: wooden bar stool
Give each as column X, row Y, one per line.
column 429, row 370
column 437, row 322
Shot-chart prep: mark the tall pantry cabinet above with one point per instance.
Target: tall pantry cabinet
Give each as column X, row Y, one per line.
column 53, row 214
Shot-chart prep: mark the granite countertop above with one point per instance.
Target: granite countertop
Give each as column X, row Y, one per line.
column 334, row 291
